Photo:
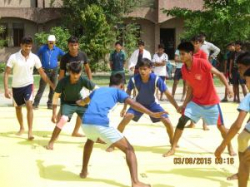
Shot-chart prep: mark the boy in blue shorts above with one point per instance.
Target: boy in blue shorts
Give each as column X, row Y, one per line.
column 96, row 124
column 68, row 88
column 201, row 101
column 244, row 137
column 145, row 83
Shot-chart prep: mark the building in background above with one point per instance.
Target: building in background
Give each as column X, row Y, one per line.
column 27, row 17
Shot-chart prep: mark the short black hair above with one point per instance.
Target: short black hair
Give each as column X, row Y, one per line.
column 73, row 39
column 118, row 43
column 186, row 46
column 116, row 79
column 141, row 43
column 231, row 43
column 247, row 73
column 145, row 62
column 238, row 43
column 196, row 38
column 244, row 58
column 161, row 46
column 27, row 40
column 75, row 67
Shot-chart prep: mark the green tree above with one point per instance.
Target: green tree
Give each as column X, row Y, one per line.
column 62, row 35
column 2, row 41
column 221, row 20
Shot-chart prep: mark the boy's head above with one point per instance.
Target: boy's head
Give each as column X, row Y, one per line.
column 75, row 70
column 116, row 80
column 141, row 45
column 161, row 48
column 243, row 62
column 238, row 45
column 26, row 44
column 118, row 46
column 145, row 66
column 186, row 51
column 247, row 77
column 203, row 37
column 197, row 42
column 73, row 44
column 231, row 46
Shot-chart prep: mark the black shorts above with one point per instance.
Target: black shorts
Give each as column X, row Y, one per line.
column 236, row 80
column 23, row 94
column 177, row 74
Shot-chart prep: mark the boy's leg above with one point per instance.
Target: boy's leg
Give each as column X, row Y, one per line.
column 184, row 90
column 87, row 150
column 204, row 125
column 56, row 132
column 125, row 147
column 169, row 128
column 244, row 169
column 19, row 116
column 223, row 132
column 174, row 87
column 177, row 134
column 126, row 119
column 30, row 119
column 42, row 86
column 75, row 132
column 244, row 89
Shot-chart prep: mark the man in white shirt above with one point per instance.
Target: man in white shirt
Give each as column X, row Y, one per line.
column 160, row 59
column 23, row 63
column 210, row 49
column 136, row 57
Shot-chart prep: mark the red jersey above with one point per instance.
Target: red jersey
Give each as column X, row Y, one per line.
column 200, row 54
column 200, row 79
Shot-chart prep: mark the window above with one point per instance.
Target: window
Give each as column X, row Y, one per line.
column 3, row 34
column 18, row 33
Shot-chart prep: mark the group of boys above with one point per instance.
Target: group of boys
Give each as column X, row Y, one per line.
column 201, row 101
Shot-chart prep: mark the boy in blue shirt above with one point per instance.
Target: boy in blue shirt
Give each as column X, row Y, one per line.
column 96, row 124
column 244, row 137
column 145, row 83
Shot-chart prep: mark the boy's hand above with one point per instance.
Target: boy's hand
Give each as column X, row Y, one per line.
column 180, row 109
column 230, row 92
column 80, row 103
column 219, row 151
column 122, row 113
column 8, row 94
column 53, row 118
column 158, row 114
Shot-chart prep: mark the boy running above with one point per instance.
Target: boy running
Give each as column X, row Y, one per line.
column 202, row 100
column 96, row 124
column 68, row 88
column 145, row 83
column 23, row 63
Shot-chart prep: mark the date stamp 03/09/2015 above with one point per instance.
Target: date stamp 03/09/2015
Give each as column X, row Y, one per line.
column 202, row 161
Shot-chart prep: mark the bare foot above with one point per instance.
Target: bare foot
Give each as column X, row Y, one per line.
column 169, row 153
column 50, row 146
column 233, row 177
column 231, row 152
column 205, row 128
column 110, row 149
column 140, row 184
column 83, row 175
column 100, row 141
column 20, row 132
column 77, row 135
column 30, row 136
column 191, row 125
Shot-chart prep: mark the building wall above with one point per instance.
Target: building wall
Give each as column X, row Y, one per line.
column 17, row 3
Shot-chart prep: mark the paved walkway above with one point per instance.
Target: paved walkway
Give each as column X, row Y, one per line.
column 25, row 163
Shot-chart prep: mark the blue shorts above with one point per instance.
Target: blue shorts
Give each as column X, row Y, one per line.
column 109, row 135
column 154, row 107
column 23, row 94
column 211, row 114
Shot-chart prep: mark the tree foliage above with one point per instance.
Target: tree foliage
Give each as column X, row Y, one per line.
column 222, row 21
column 62, row 35
column 2, row 41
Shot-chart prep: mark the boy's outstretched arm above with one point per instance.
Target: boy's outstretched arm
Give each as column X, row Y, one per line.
column 137, row 106
column 122, row 113
column 231, row 133
column 223, row 80
column 171, row 99
column 83, row 102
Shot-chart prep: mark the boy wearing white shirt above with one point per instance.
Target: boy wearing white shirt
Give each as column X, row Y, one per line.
column 23, row 63
column 160, row 59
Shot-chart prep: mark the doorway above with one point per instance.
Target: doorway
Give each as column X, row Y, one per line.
column 167, row 37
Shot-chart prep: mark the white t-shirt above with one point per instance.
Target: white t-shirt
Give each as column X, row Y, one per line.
column 160, row 70
column 23, row 68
